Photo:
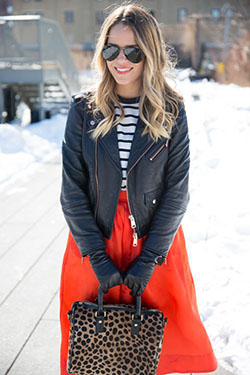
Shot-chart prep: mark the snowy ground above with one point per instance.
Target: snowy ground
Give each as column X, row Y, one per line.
column 217, row 223
column 23, row 148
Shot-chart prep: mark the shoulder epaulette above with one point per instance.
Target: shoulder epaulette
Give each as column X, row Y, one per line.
column 78, row 97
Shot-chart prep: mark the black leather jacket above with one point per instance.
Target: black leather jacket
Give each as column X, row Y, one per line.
column 157, row 181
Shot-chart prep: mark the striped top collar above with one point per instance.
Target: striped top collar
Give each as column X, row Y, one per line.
column 128, row 100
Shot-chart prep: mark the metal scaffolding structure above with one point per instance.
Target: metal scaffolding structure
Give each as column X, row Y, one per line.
column 35, row 66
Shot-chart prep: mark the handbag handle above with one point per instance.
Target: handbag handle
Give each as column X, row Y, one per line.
column 100, row 315
column 137, row 301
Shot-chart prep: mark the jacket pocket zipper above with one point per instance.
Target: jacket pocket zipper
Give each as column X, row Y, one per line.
column 159, row 150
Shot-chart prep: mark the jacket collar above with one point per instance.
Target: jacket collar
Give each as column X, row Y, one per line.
column 139, row 145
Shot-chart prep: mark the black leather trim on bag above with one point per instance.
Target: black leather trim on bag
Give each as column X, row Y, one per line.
column 100, row 314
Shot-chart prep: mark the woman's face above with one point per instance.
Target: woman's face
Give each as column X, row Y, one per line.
column 129, row 80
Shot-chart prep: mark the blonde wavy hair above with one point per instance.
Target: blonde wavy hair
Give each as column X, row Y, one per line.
column 158, row 107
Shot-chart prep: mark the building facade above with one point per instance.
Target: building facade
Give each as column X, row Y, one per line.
column 80, row 20
column 217, row 30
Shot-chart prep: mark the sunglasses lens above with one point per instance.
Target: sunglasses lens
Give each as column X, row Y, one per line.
column 110, row 52
column 135, row 55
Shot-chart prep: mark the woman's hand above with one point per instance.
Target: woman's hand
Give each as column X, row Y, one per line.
column 105, row 270
column 140, row 271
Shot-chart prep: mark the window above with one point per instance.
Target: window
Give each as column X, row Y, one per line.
column 215, row 12
column 229, row 13
column 9, row 9
column 99, row 17
column 69, row 16
column 181, row 14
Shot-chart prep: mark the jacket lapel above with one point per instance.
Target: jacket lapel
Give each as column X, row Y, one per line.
column 110, row 143
column 139, row 145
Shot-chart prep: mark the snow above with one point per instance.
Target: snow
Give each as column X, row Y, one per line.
column 21, row 148
column 217, row 223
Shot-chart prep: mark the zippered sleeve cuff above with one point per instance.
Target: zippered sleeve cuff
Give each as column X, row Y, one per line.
column 157, row 258
column 86, row 253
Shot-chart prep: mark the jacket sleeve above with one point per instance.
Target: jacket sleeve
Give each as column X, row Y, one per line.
column 174, row 201
column 73, row 198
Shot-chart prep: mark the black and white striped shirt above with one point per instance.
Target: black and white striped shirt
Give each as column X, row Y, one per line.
column 125, row 132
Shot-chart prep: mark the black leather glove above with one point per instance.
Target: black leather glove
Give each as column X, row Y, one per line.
column 105, row 270
column 140, row 271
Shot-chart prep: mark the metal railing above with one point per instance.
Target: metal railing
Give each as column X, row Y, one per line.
column 38, row 42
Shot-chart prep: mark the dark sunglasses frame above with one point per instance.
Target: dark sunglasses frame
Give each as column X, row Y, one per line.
column 111, row 51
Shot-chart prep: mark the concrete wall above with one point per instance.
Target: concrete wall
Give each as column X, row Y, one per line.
column 85, row 26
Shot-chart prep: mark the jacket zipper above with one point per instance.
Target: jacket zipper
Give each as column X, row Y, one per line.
column 131, row 217
column 159, row 150
column 133, row 226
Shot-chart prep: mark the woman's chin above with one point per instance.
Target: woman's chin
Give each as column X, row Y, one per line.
column 123, row 81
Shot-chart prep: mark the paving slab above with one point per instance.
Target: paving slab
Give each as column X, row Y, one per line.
column 33, row 245
column 26, row 305
column 19, row 193
column 24, row 219
column 41, row 354
column 52, row 313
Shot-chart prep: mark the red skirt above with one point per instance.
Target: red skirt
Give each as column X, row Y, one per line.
column 186, row 346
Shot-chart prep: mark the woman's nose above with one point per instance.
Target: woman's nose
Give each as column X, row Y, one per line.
column 121, row 55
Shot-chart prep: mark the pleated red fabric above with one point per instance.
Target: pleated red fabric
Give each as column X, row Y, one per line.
column 186, row 346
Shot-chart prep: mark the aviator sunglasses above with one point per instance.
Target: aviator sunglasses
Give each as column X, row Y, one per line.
column 133, row 54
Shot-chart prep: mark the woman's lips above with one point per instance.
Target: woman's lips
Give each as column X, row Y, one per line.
column 123, row 70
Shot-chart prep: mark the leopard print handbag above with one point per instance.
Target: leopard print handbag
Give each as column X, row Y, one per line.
column 114, row 339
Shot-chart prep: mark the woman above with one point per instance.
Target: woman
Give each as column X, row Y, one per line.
column 125, row 191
